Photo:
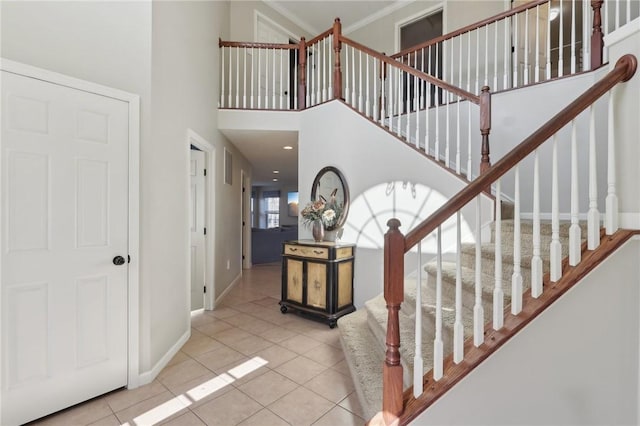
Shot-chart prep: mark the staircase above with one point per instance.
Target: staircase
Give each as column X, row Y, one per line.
column 363, row 333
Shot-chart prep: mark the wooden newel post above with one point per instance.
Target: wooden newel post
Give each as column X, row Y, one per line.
column 597, row 38
column 337, row 67
column 394, row 294
column 302, row 71
column 485, row 128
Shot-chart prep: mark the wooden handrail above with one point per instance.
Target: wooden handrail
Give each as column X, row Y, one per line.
column 256, row 45
column 624, row 69
column 471, row 27
column 410, row 70
column 320, row 36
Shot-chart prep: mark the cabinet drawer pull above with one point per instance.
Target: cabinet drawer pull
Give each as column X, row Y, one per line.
column 293, row 249
column 318, row 251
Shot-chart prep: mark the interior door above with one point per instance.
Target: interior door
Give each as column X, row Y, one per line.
column 64, row 224
column 197, row 214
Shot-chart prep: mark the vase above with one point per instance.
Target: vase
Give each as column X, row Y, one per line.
column 334, row 235
column 317, row 230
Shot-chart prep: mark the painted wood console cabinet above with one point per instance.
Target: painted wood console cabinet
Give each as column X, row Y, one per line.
column 317, row 279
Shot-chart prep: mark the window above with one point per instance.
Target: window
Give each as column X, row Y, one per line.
column 272, row 208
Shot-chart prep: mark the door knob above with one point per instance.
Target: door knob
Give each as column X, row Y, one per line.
column 118, row 260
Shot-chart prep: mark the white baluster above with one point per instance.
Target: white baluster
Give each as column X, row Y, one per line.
column 561, row 43
column 295, row 79
column 368, row 100
column 556, row 247
column 237, row 105
column 536, row 260
column 451, row 80
column 353, row 78
column 324, row 69
column 360, row 75
column 426, row 117
column 375, row 90
column 330, row 66
column 611, row 213
column 526, row 48
column 347, row 93
column 390, row 75
column 537, row 62
column 308, row 88
column 548, row 52
column 222, row 105
column 495, row 57
column 617, row 14
column 469, row 152
column 586, row 35
column 416, row 109
column 383, row 82
column 478, row 310
column 628, row 12
column 320, row 67
column 516, row 48
column 437, row 341
column 252, row 77
column 458, row 148
column 458, row 327
column 274, row 75
column 230, row 86
column 437, row 118
column 399, row 102
column 477, row 61
column 418, row 363
column 498, row 292
column 244, row 78
column 407, row 104
column 593, row 217
column 507, row 55
column 574, row 230
column 516, row 278
column 605, row 6
column 266, row 79
column 573, row 36
column 281, row 92
column 468, row 62
column 446, row 141
column 258, row 77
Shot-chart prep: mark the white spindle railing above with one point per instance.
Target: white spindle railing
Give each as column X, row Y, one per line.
column 478, row 309
column 498, row 292
column 516, row 278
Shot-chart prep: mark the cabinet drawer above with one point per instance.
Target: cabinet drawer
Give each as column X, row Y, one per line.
column 343, row 252
column 303, row 251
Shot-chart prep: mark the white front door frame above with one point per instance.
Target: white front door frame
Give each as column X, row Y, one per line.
column 133, row 372
column 209, row 149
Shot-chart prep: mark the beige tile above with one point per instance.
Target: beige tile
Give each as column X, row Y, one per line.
column 214, row 327
column 301, row 407
column 220, row 357
column 245, row 370
column 277, row 334
column 248, row 307
column 187, row 419
column 111, row 420
column 276, row 355
column 204, row 388
column 153, row 410
column 201, row 319
column 328, row 336
column 256, row 326
column 342, row 367
column 182, row 373
column 267, row 301
column 222, row 313
column 200, row 345
column 338, row 416
column 81, row 414
column 119, row 400
column 177, row 359
column 331, row 385
column 301, row 369
column 231, row 335
column 264, row 417
column 250, row 345
column 239, row 319
column 325, row 354
column 268, row 387
column 352, row 403
column 300, row 344
column 230, row 409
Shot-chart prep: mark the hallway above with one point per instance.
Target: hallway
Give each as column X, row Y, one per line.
column 245, row 364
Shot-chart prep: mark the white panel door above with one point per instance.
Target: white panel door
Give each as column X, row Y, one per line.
column 64, row 220
column 196, row 214
column 274, row 67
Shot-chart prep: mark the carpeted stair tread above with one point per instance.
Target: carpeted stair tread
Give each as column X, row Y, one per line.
column 364, row 360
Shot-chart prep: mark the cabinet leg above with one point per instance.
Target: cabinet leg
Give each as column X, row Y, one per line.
column 333, row 324
column 283, row 309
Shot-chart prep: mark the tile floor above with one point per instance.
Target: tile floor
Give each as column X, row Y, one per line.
column 245, row 364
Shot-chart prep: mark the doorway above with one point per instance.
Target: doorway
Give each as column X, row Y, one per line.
column 69, row 261
column 201, row 249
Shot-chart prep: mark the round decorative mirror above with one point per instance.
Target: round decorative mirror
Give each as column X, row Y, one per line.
column 331, row 187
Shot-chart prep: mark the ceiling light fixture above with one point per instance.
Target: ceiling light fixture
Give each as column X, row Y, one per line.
column 553, row 13
column 287, row 147
column 276, row 172
column 275, row 179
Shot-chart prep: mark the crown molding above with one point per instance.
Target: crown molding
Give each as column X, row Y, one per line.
column 294, row 18
column 399, row 4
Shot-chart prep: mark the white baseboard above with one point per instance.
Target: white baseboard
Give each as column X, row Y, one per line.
column 150, row 375
column 227, row 290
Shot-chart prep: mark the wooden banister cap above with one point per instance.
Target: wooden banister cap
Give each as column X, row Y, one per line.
column 394, row 224
column 485, row 89
column 631, row 63
column 337, row 20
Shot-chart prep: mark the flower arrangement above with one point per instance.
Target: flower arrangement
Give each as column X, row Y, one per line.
column 328, row 213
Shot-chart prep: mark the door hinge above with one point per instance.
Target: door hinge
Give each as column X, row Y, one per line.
column 205, row 231
column 205, row 288
column 205, row 172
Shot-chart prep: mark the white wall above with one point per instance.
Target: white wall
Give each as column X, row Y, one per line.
column 243, row 21
column 575, row 364
column 168, row 56
column 370, row 159
column 380, row 34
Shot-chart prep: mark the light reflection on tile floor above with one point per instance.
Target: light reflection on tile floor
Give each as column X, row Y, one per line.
column 245, row 364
